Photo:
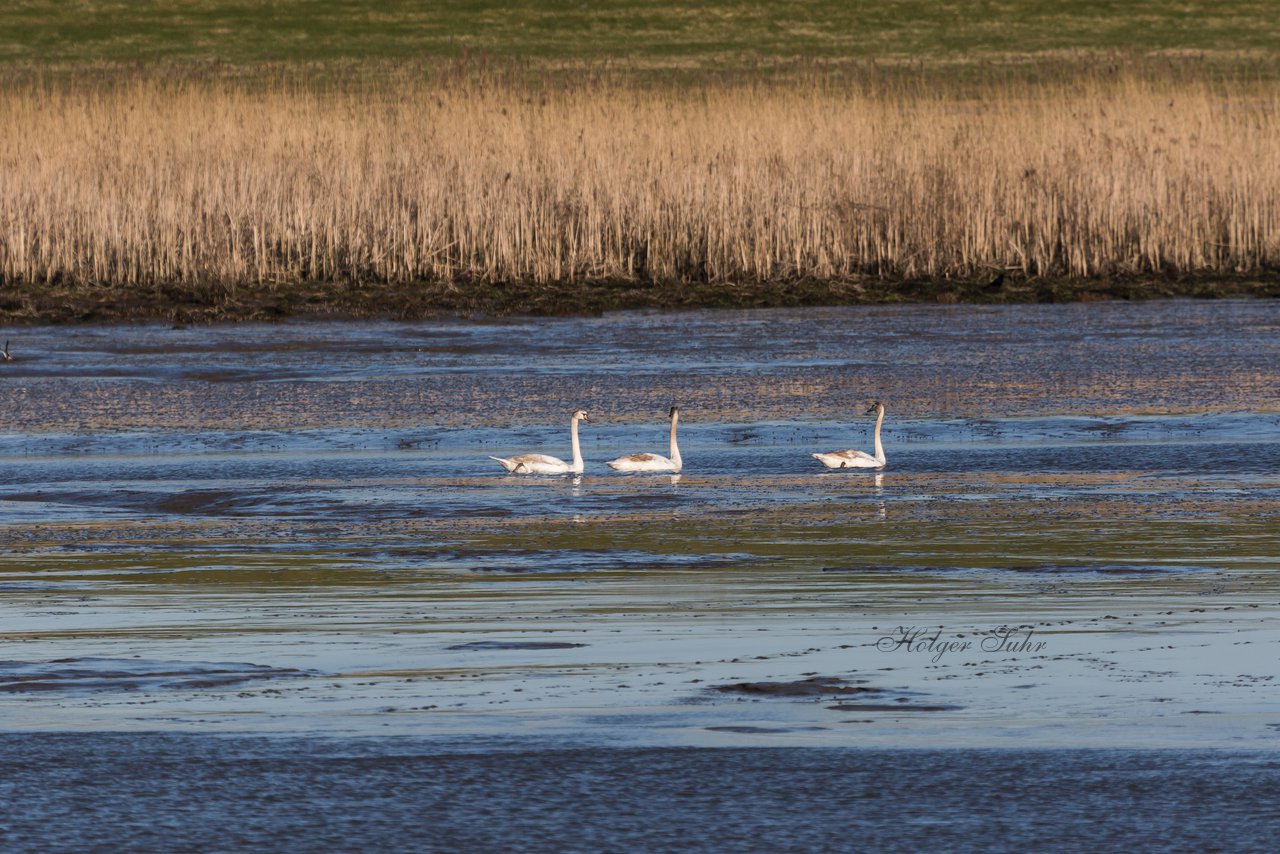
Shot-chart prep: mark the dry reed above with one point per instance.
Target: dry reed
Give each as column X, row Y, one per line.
column 150, row 183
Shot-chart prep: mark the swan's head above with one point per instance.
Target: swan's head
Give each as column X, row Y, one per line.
column 876, row 407
column 580, row 415
column 674, row 413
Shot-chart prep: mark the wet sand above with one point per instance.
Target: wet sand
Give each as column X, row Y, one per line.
column 295, row 529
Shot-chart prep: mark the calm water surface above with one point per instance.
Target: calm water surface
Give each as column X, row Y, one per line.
column 246, row 794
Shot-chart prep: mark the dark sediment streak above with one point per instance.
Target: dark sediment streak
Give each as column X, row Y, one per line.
column 217, row 302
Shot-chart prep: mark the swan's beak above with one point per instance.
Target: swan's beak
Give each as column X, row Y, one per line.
column 872, row 409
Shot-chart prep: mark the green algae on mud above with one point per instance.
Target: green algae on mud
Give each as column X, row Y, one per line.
column 216, row 303
column 908, row 527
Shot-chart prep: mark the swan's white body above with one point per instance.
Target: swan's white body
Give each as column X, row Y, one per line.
column 858, row 459
column 653, row 462
column 543, row 464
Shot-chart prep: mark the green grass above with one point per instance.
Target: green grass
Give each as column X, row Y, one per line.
column 641, row 34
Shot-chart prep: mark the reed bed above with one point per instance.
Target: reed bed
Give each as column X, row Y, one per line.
column 147, row 183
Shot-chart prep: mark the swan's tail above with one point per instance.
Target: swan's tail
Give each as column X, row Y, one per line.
column 828, row 461
column 509, row 465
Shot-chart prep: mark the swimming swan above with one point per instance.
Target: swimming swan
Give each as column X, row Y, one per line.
column 653, row 462
column 858, row 459
column 541, row 463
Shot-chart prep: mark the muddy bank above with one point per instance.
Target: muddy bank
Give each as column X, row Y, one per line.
column 41, row 304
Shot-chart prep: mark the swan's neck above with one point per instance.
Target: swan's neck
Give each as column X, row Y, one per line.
column 577, row 449
column 675, row 449
column 879, row 447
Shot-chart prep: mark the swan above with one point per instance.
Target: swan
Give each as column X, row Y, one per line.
column 541, row 463
column 858, row 459
column 653, row 462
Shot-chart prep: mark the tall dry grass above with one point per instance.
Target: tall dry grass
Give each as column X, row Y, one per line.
column 150, row 183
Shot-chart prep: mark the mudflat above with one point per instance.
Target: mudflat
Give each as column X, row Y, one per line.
column 295, row 527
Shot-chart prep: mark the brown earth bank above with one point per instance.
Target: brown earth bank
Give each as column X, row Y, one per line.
column 23, row 304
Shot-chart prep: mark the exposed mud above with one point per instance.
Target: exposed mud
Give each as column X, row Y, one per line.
column 487, row 645
column 892, row 707
column 762, row 730
column 814, row 686
column 28, row 304
column 1038, row 569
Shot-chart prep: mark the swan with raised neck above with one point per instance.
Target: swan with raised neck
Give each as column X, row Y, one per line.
column 858, row 459
column 543, row 464
column 654, row 462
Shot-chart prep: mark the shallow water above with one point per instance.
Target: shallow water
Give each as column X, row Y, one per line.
column 295, row 528
column 255, row 794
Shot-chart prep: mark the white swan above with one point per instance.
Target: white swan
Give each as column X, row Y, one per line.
column 653, row 462
column 541, row 463
column 858, row 459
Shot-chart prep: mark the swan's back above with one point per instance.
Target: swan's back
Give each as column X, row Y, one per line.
column 641, row 462
column 532, row 464
column 848, row 460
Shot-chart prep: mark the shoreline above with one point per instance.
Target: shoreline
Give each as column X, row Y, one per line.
column 41, row 305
